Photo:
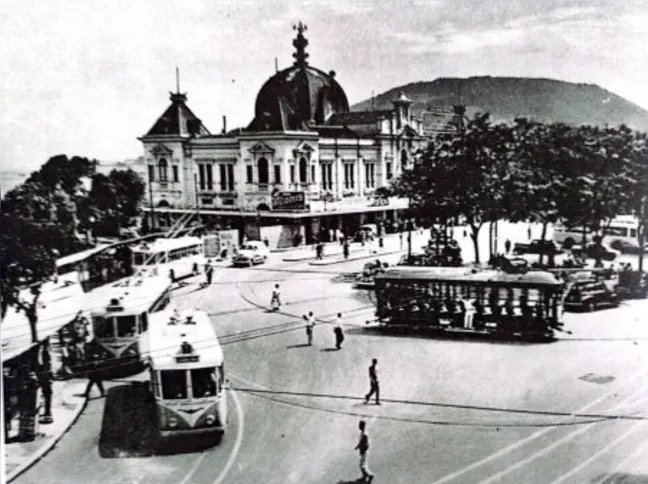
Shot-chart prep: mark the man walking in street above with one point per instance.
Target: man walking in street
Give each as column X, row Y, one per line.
column 275, row 302
column 363, row 449
column 373, row 381
column 339, row 333
column 94, row 377
column 310, row 324
column 507, row 246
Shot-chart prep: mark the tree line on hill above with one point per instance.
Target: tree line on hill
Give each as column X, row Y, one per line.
column 55, row 212
column 528, row 171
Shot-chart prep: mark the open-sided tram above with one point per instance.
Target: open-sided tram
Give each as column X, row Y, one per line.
column 528, row 305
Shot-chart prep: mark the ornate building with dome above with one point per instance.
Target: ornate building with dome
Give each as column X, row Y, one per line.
column 305, row 166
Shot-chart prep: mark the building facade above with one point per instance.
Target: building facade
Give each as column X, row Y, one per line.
column 304, row 167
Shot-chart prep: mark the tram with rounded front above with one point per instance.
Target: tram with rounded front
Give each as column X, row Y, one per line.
column 186, row 367
column 461, row 300
column 119, row 315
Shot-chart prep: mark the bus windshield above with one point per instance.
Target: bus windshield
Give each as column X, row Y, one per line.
column 103, row 327
column 174, row 384
column 147, row 258
column 204, row 382
column 126, row 325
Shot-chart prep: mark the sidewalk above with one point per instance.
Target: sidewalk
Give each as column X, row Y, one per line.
column 67, row 404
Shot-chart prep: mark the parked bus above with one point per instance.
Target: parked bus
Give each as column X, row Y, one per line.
column 74, row 267
column 119, row 314
column 528, row 305
column 185, row 362
column 175, row 258
column 622, row 232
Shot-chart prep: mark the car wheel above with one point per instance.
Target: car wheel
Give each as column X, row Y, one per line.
column 568, row 243
column 590, row 306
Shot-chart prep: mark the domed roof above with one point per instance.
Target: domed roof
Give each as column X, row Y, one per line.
column 298, row 97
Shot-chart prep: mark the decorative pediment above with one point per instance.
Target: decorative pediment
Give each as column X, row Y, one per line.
column 261, row 148
column 160, row 150
column 303, row 149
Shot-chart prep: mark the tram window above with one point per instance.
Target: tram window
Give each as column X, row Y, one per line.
column 103, row 327
column 144, row 319
column 126, row 326
column 204, row 382
column 139, row 259
column 174, row 384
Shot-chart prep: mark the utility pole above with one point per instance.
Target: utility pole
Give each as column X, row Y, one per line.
column 642, row 228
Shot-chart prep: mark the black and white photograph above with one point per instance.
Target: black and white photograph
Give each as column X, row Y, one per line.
column 324, row 242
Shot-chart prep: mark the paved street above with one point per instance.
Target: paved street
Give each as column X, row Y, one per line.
column 456, row 411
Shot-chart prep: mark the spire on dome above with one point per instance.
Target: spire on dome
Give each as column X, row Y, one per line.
column 300, row 44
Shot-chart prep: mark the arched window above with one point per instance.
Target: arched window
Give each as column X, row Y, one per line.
column 403, row 159
column 163, row 168
column 303, row 170
column 262, row 167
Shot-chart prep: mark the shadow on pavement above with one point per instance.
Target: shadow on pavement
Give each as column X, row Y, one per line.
column 619, row 478
column 353, row 481
column 128, row 427
column 303, row 345
column 329, row 349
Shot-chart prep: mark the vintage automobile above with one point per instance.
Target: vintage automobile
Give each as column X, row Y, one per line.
column 537, row 246
column 251, row 253
column 590, row 294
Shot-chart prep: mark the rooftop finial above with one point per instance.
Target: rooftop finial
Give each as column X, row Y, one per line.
column 300, row 44
column 177, row 80
column 177, row 97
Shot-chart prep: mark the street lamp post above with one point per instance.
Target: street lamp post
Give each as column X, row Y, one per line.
column 90, row 236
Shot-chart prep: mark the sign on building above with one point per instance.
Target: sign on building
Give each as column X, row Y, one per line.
column 289, row 201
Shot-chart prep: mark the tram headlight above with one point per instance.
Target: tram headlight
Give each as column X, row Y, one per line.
column 210, row 419
column 173, row 422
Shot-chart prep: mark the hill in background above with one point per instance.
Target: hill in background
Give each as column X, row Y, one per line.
column 506, row 98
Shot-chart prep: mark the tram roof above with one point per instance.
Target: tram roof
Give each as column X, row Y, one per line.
column 452, row 274
column 166, row 244
column 79, row 256
column 163, row 340
column 135, row 294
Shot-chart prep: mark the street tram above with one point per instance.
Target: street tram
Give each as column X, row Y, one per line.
column 172, row 257
column 119, row 314
column 461, row 300
column 185, row 362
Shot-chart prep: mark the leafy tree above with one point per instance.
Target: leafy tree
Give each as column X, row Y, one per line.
column 129, row 193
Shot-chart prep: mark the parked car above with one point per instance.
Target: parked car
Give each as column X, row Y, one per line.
column 537, row 246
column 606, row 252
column 251, row 253
column 369, row 231
column 589, row 295
column 626, row 246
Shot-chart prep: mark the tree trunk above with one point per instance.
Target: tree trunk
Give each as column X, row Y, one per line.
column 474, row 235
column 542, row 239
column 33, row 320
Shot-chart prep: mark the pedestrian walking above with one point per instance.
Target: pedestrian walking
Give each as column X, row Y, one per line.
column 209, row 272
column 529, row 232
column 507, row 246
column 381, row 242
column 319, row 249
column 345, row 249
column 310, row 324
column 94, row 378
column 275, row 301
column 400, row 236
column 373, row 382
column 339, row 333
column 363, row 449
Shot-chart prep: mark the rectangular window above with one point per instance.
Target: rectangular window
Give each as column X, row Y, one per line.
column 206, row 201
column 201, row 176
column 388, row 166
column 312, row 174
column 174, row 384
column 210, row 177
column 349, row 176
column 323, row 177
column 277, row 173
column 176, row 175
column 204, row 382
column 329, row 169
column 151, row 173
column 126, row 326
column 230, row 177
column 292, row 173
column 103, row 327
column 633, row 232
column 223, row 177
column 370, row 173
column 249, row 174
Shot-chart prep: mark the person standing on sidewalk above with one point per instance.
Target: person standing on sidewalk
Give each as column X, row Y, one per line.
column 339, row 333
column 507, row 246
column 345, row 249
column 310, row 324
column 373, row 382
column 363, row 449
column 275, row 302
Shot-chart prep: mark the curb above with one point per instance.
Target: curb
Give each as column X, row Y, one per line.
column 350, row 259
column 45, row 449
column 314, row 257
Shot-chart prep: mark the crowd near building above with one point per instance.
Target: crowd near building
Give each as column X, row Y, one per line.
column 304, row 168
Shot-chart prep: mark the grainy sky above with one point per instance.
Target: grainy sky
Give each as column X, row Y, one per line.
column 86, row 77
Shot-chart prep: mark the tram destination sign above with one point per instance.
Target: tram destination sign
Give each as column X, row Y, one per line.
column 289, row 201
column 187, row 358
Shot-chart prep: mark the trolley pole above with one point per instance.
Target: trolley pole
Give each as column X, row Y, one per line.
column 642, row 228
